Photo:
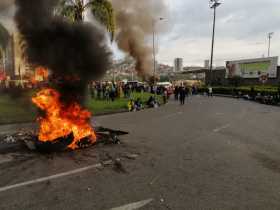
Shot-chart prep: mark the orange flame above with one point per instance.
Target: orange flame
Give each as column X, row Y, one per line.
column 40, row 71
column 60, row 120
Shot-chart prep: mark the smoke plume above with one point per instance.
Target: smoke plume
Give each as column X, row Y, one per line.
column 135, row 20
column 5, row 4
column 7, row 11
column 76, row 53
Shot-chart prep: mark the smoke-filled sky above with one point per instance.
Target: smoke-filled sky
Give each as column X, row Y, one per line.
column 241, row 30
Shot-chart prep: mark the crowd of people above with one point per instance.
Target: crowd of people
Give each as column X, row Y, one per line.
column 111, row 91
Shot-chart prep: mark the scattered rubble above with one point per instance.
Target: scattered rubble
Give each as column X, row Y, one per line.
column 16, row 137
column 24, row 142
column 118, row 166
column 9, row 139
column 30, row 140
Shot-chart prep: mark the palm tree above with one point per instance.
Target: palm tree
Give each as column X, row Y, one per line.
column 101, row 9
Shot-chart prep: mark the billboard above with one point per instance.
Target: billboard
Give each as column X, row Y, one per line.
column 253, row 68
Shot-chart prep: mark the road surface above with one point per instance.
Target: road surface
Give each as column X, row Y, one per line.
column 212, row 153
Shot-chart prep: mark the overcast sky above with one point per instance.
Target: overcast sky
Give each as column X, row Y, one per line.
column 241, row 30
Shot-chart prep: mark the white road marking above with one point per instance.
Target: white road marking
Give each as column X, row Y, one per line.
column 43, row 179
column 133, row 206
column 154, row 180
column 221, row 128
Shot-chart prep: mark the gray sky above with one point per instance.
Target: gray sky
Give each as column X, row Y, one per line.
column 241, row 30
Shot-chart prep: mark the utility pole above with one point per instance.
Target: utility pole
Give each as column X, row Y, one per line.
column 213, row 5
column 154, row 48
column 154, row 53
column 269, row 42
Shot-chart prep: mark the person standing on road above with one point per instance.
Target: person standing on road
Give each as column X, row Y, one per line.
column 164, row 95
column 176, row 93
column 188, row 92
column 182, row 95
column 210, row 91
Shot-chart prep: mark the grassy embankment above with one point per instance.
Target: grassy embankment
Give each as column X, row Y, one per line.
column 18, row 109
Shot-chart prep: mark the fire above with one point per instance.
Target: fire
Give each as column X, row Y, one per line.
column 42, row 72
column 61, row 120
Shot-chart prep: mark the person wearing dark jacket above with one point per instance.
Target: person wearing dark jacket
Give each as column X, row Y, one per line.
column 182, row 95
column 176, row 93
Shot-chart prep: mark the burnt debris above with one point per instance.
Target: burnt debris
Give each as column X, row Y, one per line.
column 105, row 136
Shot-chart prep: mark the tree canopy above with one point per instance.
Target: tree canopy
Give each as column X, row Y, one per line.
column 101, row 9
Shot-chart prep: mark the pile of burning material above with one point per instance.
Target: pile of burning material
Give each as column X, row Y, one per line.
column 74, row 54
column 63, row 126
column 67, row 125
column 104, row 136
column 64, row 122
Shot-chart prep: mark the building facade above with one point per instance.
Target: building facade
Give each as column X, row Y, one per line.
column 178, row 64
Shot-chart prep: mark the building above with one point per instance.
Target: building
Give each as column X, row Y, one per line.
column 22, row 68
column 164, row 70
column 8, row 59
column 254, row 71
column 6, row 52
column 178, row 64
column 249, row 71
column 190, row 73
column 253, row 68
column 12, row 63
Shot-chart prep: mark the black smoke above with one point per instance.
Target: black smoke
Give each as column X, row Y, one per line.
column 76, row 53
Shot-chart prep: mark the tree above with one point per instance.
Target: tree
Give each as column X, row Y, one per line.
column 101, row 9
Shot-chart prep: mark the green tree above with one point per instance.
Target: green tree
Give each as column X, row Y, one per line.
column 101, row 9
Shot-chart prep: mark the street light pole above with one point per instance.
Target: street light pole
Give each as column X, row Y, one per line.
column 154, row 49
column 154, row 52
column 269, row 42
column 213, row 5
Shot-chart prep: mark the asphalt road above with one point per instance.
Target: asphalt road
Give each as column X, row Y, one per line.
column 212, row 153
